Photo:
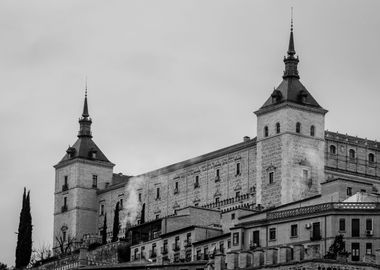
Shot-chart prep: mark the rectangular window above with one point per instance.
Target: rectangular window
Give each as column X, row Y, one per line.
column 176, row 185
column 221, row 247
column 205, row 253
column 66, row 180
column 271, row 177
column 102, row 209
column 158, row 193
column 139, row 197
column 238, row 172
column 272, row 234
column 342, row 225
column 233, row 216
column 235, row 239
column 349, row 191
column 256, row 238
column 368, row 224
column 368, row 248
column 217, row 173
column 121, row 204
column 216, row 199
column 355, row 252
column 65, row 201
column 294, row 230
column 199, row 254
column 237, row 194
column 157, row 216
column 305, row 175
column 363, row 190
column 94, row 181
column 229, row 244
column 316, row 233
column 355, row 232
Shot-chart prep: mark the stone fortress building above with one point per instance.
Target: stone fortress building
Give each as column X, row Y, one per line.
column 294, row 175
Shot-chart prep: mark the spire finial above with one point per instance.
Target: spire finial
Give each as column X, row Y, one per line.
column 291, row 20
column 85, row 106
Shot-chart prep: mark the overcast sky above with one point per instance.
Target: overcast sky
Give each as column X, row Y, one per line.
column 167, row 81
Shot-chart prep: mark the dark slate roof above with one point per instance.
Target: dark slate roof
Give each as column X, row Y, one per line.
column 291, row 90
column 83, row 148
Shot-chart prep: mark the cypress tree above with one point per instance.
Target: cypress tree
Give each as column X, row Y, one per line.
column 104, row 231
column 116, row 224
column 24, row 236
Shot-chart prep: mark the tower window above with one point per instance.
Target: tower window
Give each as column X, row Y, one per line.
column 351, row 153
column 196, row 183
column 217, row 174
column 349, row 191
column 176, row 188
column 294, row 230
column 266, row 131
column 312, row 131
column 65, row 201
column 332, row 149
column 102, row 209
column 158, row 193
column 94, row 181
column 371, row 158
column 278, row 128
column 217, row 199
column 271, row 177
column 342, row 225
column 298, row 127
column 139, row 197
column 238, row 172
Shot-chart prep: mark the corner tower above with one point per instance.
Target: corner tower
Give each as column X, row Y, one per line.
column 290, row 140
column 82, row 171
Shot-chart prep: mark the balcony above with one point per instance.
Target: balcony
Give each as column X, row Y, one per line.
column 217, row 179
column 152, row 254
column 64, row 208
column 315, row 237
column 176, row 247
column 187, row 243
column 253, row 245
column 65, row 187
column 164, row 250
column 176, row 191
column 196, row 185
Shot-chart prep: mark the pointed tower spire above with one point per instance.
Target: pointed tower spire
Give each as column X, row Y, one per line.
column 290, row 61
column 85, row 106
column 85, row 121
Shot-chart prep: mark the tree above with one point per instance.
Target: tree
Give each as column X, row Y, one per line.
column 24, row 236
column 40, row 254
column 104, row 230
column 65, row 246
column 3, row 266
column 338, row 247
column 116, row 224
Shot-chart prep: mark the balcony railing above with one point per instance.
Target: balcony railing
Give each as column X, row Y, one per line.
column 253, row 245
column 164, row 250
column 187, row 243
column 65, row 187
column 152, row 254
column 315, row 237
column 64, row 208
column 321, row 208
column 176, row 247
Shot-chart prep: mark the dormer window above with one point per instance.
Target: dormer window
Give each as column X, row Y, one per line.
column 278, row 128
column 298, row 127
column 266, row 131
column 312, row 131
column 71, row 152
column 93, row 153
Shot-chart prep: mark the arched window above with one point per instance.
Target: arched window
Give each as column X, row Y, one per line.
column 278, row 128
column 266, row 132
column 332, row 149
column 312, row 131
column 298, row 127
column 371, row 158
column 351, row 154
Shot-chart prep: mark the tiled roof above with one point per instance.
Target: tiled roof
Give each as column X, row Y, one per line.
column 83, row 148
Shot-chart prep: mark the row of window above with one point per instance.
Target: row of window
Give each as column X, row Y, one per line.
column 65, row 185
column 298, row 129
column 351, row 153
